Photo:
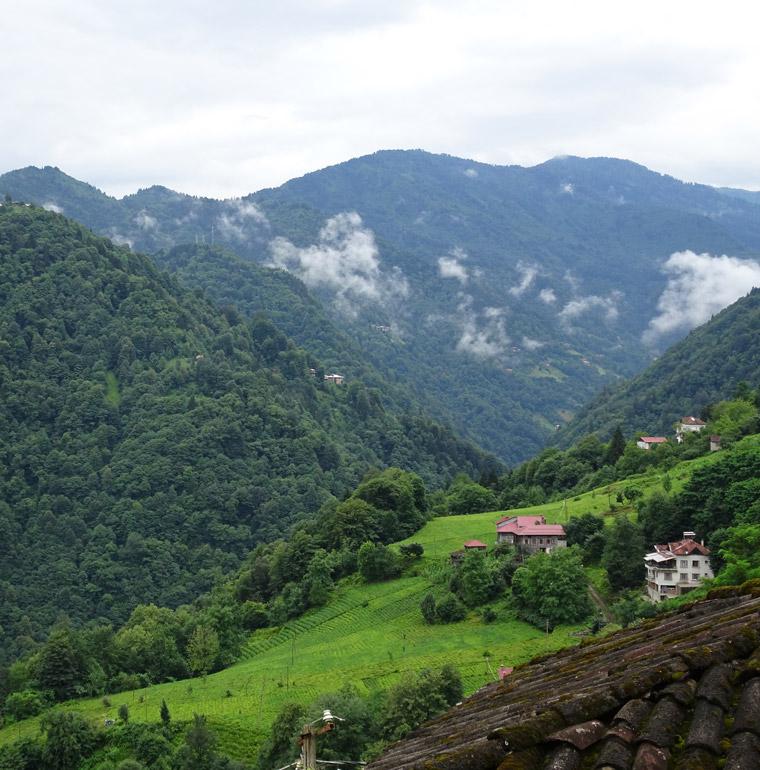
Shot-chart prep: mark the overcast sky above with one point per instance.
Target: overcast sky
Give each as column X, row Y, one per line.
column 223, row 98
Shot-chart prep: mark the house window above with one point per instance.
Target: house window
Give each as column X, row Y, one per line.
column 695, row 577
column 684, row 563
column 683, row 577
column 695, row 563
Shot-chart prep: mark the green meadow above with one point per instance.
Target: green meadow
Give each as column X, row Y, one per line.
column 367, row 635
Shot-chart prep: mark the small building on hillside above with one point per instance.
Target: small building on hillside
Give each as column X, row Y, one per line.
column 677, row 568
column 688, row 425
column 714, row 443
column 334, row 379
column 647, row 442
column 530, row 534
column 471, row 545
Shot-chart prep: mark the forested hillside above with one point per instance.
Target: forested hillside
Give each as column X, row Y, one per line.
column 499, row 298
column 704, row 368
column 148, row 440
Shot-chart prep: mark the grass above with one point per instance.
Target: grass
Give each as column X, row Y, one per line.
column 113, row 396
column 368, row 635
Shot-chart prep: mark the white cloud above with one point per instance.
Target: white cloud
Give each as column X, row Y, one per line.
column 54, row 207
column 145, row 221
column 472, row 173
column 530, row 344
column 575, row 308
column 345, row 260
column 266, row 94
column 452, row 267
column 242, row 220
column 528, row 274
column 568, row 188
column 482, row 337
column 699, row 285
column 547, row 296
column 119, row 239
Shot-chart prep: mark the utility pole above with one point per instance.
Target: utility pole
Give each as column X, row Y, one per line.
column 309, row 743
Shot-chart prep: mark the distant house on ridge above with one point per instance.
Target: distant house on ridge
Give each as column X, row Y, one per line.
column 688, row 425
column 647, row 442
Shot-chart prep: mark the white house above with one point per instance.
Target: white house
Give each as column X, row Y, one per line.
column 677, row 568
column 647, row 442
column 334, row 379
column 688, row 425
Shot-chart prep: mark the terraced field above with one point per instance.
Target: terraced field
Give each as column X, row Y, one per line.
column 369, row 635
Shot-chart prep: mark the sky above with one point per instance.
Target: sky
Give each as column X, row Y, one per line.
column 224, row 98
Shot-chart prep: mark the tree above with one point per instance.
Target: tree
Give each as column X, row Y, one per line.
column 416, row 699
column 281, row 746
column 470, row 498
column 552, row 588
column 376, row 562
column 615, row 448
column 69, row 740
column 623, row 555
column 24, row 704
column 450, row 609
column 123, row 713
column 202, row 649
column 579, row 528
column 198, row 753
column 428, row 609
column 477, row 578
column 61, row 667
column 165, row 715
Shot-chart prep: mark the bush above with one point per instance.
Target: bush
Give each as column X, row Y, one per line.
column 450, row 609
column 27, row 703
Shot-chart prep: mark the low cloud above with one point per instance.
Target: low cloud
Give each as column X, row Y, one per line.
column 530, row 344
column 472, row 173
column 452, row 267
column 547, row 296
column 699, row 285
column 119, row 239
column 345, row 260
column 575, row 308
column 52, row 206
column 483, row 335
column 568, row 188
column 528, row 274
column 240, row 217
column 145, row 221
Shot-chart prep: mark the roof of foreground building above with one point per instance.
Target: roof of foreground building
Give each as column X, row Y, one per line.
column 679, row 691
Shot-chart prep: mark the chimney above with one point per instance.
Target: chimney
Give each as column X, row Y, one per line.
column 689, row 535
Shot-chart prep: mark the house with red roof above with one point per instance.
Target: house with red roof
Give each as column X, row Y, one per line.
column 677, row 568
column 647, row 442
column 689, row 425
column 530, row 534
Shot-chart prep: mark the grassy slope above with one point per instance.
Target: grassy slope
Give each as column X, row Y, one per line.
column 368, row 635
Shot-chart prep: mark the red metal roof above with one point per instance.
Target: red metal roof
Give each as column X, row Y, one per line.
column 692, row 421
column 529, row 525
column 653, row 439
column 475, row 544
column 683, row 548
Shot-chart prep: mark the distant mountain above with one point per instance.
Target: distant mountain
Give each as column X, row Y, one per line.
column 500, row 299
column 149, row 440
column 703, row 368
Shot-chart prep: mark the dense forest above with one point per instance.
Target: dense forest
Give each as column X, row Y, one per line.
column 704, row 368
column 500, row 299
column 149, row 441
